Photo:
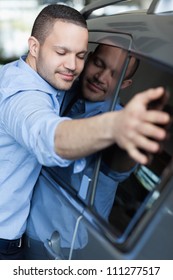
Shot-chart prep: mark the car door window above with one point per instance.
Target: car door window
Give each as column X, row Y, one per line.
column 120, row 201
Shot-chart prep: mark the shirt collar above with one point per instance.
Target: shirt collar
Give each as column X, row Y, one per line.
column 103, row 106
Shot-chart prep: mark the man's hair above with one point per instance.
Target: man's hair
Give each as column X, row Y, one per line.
column 49, row 15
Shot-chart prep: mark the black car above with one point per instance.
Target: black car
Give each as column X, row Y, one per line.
column 140, row 224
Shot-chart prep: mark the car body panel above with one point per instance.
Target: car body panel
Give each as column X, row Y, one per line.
column 152, row 38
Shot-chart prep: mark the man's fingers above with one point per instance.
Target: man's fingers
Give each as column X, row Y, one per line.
column 144, row 127
column 157, row 117
column 159, row 103
column 152, row 95
column 153, row 131
column 138, row 156
column 143, row 152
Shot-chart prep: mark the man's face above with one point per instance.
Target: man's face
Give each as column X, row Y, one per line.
column 61, row 57
column 101, row 73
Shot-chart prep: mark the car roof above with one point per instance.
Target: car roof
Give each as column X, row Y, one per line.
column 151, row 33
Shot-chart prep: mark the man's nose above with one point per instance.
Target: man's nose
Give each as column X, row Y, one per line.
column 103, row 76
column 70, row 62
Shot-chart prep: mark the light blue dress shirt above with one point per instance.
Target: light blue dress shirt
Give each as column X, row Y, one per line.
column 29, row 114
column 50, row 212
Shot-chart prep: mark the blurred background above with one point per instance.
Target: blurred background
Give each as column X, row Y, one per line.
column 17, row 17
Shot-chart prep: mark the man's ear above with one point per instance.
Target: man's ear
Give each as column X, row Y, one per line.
column 126, row 83
column 33, row 46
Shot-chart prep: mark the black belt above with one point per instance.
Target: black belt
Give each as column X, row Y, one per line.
column 7, row 245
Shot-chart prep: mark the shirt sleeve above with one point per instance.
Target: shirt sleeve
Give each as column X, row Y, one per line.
column 115, row 175
column 30, row 118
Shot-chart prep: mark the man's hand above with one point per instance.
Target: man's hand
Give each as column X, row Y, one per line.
column 141, row 126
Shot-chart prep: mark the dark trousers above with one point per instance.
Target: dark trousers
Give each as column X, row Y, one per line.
column 19, row 255
column 11, row 249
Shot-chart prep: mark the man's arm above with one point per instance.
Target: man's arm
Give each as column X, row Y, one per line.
column 135, row 128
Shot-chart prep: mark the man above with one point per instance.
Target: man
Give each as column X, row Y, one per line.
column 31, row 91
column 31, row 132
column 49, row 212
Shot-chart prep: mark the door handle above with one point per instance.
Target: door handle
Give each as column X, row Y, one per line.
column 53, row 248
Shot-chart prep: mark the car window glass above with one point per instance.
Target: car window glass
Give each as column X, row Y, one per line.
column 122, row 198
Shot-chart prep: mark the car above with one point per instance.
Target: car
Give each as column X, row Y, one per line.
column 140, row 223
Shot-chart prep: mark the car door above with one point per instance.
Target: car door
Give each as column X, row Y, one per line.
column 140, row 223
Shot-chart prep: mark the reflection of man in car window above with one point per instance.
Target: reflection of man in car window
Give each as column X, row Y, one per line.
column 95, row 87
column 102, row 71
column 99, row 77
